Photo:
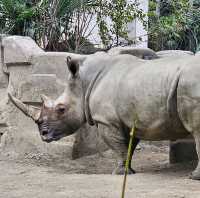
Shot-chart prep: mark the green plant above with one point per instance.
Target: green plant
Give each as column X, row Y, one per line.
column 119, row 13
column 15, row 16
column 62, row 25
column 177, row 26
column 52, row 23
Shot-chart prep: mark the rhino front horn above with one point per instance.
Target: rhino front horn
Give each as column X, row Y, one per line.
column 28, row 110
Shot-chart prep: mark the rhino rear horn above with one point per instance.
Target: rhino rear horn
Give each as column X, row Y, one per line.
column 28, row 110
column 46, row 100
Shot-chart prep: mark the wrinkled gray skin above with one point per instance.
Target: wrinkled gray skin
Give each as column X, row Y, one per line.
column 162, row 96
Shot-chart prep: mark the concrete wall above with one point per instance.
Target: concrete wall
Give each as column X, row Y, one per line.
column 136, row 30
column 27, row 71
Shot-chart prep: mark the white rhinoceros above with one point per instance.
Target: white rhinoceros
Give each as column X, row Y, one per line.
column 161, row 95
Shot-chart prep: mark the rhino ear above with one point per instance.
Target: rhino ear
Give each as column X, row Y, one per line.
column 46, row 100
column 73, row 66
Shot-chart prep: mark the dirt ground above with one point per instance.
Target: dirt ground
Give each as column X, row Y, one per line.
column 39, row 176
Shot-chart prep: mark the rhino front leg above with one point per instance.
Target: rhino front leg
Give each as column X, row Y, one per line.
column 120, row 167
column 196, row 173
column 118, row 142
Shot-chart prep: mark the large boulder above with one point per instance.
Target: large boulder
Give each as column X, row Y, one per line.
column 19, row 50
column 3, row 99
column 182, row 151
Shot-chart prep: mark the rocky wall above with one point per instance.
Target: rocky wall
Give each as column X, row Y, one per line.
column 27, row 71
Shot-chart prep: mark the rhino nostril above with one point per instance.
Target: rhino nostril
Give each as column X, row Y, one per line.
column 44, row 132
column 39, row 121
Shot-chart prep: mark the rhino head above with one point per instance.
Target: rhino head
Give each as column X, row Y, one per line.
column 63, row 116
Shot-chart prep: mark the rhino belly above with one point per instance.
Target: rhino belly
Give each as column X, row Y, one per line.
column 160, row 130
column 160, row 127
column 153, row 121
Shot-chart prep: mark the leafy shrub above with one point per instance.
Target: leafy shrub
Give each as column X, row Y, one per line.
column 177, row 26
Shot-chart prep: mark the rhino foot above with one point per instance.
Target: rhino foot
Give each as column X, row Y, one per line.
column 195, row 175
column 120, row 170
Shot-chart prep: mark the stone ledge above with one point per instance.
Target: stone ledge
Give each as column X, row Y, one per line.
column 18, row 49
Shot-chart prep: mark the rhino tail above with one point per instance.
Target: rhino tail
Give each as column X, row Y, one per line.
column 172, row 97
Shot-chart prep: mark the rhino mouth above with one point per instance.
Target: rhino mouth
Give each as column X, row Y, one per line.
column 52, row 136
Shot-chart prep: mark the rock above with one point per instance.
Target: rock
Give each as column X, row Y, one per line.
column 19, row 49
column 182, row 151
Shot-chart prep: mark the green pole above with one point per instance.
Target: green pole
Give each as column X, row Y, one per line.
column 132, row 134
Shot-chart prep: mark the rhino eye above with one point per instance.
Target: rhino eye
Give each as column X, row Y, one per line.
column 61, row 110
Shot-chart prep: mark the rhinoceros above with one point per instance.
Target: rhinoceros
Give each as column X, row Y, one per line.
column 143, row 53
column 160, row 98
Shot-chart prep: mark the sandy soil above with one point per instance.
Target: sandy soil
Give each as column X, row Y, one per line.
column 39, row 176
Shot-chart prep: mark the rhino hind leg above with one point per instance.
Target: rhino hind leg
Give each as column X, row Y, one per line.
column 196, row 173
column 119, row 144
